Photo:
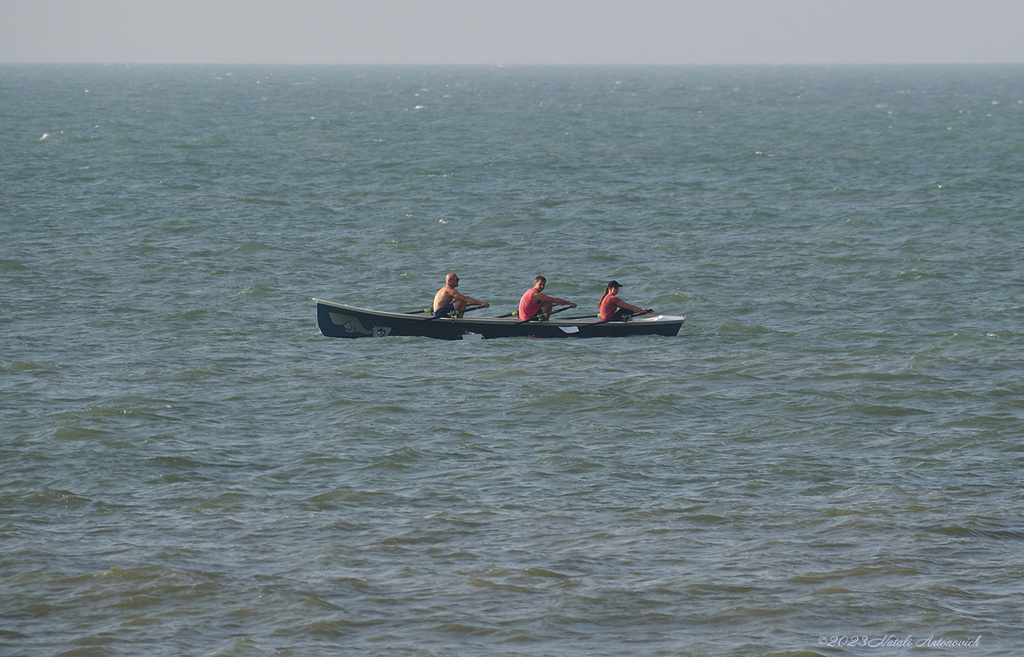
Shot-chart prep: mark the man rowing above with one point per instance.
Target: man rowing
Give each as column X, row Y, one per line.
column 535, row 304
column 449, row 301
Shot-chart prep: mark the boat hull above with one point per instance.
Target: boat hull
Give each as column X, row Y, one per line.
column 337, row 320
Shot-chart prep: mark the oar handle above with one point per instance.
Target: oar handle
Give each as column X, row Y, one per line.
column 646, row 311
column 515, row 313
column 520, row 323
column 562, row 309
column 428, row 310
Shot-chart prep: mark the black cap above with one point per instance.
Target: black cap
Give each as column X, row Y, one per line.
column 613, row 284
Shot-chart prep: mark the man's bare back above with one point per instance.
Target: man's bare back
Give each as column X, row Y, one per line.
column 448, row 299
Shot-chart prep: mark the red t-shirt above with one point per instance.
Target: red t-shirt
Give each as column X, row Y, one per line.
column 527, row 306
column 608, row 305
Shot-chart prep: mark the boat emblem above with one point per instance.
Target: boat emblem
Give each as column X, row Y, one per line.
column 381, row 331
column 349, row 323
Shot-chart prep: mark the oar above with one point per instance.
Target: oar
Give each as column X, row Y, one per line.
column 428, row 310
column 516, row 312
column 575, row 329
column 532, row 319
column 611, row 319
column 553, row 312
column 430, row 319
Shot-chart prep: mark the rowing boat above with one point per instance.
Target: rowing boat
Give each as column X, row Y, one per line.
column 337, row 320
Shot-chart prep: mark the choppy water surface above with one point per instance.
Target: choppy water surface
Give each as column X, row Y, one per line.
column 829, row 452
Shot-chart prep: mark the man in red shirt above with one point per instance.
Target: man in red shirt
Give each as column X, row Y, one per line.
column 536, row 304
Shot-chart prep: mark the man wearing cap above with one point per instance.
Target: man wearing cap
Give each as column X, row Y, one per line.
column 615, row 309
column 448, row 300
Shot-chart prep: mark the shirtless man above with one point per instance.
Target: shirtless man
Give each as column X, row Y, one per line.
column 535, row 303
column 449, row 300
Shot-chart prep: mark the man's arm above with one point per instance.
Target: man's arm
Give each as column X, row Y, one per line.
column 468, row 300
column 555, row 300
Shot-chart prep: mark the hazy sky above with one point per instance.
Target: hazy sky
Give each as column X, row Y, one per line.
column 512, row 31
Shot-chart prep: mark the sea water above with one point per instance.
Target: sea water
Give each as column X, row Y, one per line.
column 827, row 459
